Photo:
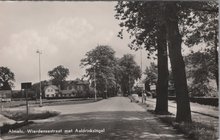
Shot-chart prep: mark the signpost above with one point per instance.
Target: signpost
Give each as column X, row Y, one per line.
column 142, row 86
column 25, row 87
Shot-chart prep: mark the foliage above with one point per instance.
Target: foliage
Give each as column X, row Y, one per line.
column 151, row 73
column 58, row 75
column 200, row 69
column 202, row 28
column 7, row 77
column 130, row 72
column 142, row 21
column 36, row 88
column 201, row 25
column 102, row 63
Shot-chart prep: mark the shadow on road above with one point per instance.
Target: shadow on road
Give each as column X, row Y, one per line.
column 106, row 125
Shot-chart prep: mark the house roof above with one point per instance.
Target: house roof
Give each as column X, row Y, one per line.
column 68, row 91
column 52, row 86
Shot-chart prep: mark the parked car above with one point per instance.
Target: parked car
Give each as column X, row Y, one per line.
column 5, row 99
column 134, row 98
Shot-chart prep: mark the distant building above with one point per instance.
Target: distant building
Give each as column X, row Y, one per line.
column 51, row 91
column 71, row 88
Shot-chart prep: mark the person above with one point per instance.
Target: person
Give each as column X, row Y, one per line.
column 145, row 96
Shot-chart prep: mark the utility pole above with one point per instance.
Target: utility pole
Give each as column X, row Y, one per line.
column 40, row 52
column 142, row 94
column 95, row 83
column 106, row 88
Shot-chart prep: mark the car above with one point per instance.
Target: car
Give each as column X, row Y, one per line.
column 134, row 98
column 5, row 99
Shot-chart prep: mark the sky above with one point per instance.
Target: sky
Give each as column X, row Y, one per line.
column 64, row 31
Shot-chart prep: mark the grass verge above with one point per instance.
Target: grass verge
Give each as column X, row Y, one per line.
column 21, row 115
column 194, row 130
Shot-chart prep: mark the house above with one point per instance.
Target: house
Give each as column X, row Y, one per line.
column 68, row 93
column 51, row 91
column 71, row 88
column 79, row 87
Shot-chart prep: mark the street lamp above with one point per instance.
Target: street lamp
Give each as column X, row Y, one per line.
column 142, row 93
column 94, row 65
column 40, row 52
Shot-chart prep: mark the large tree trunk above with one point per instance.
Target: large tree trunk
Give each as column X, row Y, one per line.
column 177, row 64
column 162, row 82
column 216, row 60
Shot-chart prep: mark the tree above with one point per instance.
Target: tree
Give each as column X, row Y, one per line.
column 174, row 12
column 143, row 20
column 202, row 27
column 7, row 77
column 200, row 71
column 58, row 75
column 162, row 82
column 151, row 73
column 146, row 26
column 130, row 72
column 101, row 62
column 177, row 64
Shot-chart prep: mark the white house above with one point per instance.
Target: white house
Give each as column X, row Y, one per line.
column 51, row 91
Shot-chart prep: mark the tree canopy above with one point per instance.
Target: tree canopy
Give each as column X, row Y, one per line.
column 100, row 67
column 151, row 74
column 58, row 75
column 7, row 77
column 201, row 70
column 129, row 72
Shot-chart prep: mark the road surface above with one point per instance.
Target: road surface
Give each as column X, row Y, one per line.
column 114, row 118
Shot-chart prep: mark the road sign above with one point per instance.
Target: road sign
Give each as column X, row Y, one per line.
column 26, row 85
column 141, row 85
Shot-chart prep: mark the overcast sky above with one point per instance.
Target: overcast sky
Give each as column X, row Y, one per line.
column 64, row 31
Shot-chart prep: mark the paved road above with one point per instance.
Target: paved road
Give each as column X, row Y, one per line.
column 115, row 118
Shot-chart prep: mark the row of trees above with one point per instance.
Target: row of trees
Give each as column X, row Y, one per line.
column 158, row 25
column 107, row 73
column 7, row 77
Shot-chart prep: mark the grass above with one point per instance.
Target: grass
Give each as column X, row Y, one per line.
column 194, row 130
column 48, row 102
column 197, row 130
column 21, row 115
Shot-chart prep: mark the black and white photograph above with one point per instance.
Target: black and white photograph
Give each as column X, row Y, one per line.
column 109, row 70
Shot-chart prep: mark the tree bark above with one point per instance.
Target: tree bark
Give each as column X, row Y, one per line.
column 177, row 63
column 162, row 82
column 216, row 59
